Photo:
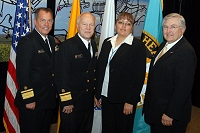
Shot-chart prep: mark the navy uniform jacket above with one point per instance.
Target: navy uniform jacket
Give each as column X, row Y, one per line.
column 169, row 85
column 35, row 72
column 127, row 72
column 75, row 74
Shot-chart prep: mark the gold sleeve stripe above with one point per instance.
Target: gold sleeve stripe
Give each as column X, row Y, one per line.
column 65, row 96
column 27, row 94
column 66, row 93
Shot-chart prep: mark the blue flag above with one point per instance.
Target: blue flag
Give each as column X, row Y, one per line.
column 21, row 28
column 152, row 36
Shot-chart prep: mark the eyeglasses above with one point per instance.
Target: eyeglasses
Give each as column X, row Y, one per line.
column 173, row 27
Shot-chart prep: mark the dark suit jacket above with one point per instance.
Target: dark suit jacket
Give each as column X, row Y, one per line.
column 169, row 85
column 75, row 73
column 35, row 69
column 127, row 72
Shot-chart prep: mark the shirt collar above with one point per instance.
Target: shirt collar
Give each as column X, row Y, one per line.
column 84, row 40
column 172, row 44
column 42, row 35
column 127, row 40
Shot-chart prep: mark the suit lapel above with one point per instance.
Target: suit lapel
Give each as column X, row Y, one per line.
column 94, row 58
column 52, row 45
column 94, row 49
column 120, row 49
column 82, row 48
column 107, row 47
column 105, row 50
column 170, row 52
column 39, row 42
column 158, row 51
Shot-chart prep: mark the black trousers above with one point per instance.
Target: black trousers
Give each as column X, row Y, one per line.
column 35, row 121
column 113, row 118
column 77, row 121
column 168, row 129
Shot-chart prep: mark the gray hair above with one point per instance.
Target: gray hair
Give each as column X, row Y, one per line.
column 79, row 17
column 175, row 15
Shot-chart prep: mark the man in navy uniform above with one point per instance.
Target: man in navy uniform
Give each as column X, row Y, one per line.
column 36, row 95
column 75, row 77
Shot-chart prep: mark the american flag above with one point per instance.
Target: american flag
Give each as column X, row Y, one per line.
column 21, row 28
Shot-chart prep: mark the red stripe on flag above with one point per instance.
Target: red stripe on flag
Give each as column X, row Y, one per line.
column 9, row 125
column 12, row 71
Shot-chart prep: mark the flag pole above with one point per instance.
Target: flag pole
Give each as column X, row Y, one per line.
column 30, row 15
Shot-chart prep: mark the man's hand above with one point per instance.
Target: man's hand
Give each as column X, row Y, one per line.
column 166, row 120
column 31, row 106
column 68, row 109
column 128, row 109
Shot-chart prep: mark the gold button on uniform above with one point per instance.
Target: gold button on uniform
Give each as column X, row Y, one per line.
column 52, row 84
column 52, row 74
column 25, row 87
column 88, row 80
column 63, row 90
column 86, row 89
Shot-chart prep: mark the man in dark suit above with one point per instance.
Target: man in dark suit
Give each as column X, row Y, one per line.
column 36, row 96
column 75, row 76
column 167, row 105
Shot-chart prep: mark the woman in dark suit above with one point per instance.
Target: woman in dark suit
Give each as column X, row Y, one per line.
column 121, row 70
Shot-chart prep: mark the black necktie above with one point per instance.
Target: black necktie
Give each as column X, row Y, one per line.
column 89, row 49
column 47, row 49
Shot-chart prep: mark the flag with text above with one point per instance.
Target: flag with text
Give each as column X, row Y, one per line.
column 152, row 37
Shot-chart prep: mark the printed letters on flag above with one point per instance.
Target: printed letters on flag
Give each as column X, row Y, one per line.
column 152, row 37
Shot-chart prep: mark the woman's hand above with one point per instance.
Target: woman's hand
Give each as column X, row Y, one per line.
column 128, row 109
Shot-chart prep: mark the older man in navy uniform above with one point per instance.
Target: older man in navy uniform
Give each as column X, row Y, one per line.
column 75, row 77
